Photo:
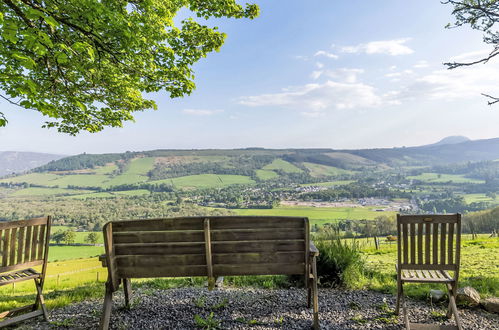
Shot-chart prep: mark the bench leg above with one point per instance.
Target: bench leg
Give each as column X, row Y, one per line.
column 127, row 288
column 452, row 288
column 399, row 293
column 315, row 295
column 40, row 301
column 106, row 310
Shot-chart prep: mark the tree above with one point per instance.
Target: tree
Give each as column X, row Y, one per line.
column 58, row 236
column 480, row 15
column 92, row 238
column 69, row 236
column 86, row 64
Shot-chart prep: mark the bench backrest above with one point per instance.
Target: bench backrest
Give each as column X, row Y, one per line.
column 206, row 246
column 429, row 242
column 24, row 243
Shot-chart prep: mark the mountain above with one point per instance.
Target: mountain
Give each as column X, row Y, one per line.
column 451, row 140
column 15, row 161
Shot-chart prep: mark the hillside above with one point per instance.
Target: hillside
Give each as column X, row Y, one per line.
column 16, row 162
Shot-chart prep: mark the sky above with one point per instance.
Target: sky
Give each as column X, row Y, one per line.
column 309, row 74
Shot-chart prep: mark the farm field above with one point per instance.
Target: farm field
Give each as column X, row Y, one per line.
column 318, row 215
column 328, row 183
column 58, row 253
column 206, row 181
column 266, row 174
column 279, row 164
column 477, row 198
column 318, row 170
column 38, row 191
column 441, row 178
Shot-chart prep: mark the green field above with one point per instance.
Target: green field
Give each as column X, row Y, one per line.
column 81, row 180
column 477, row 198
column 328, row 183
column 266, row 174
column 80, row 235
column 36, row 191
column 318, row 215
column 279, row 164
column 74, row 252
column 43, row 179
column 318, row 170
column 206, row 181
column 442, row 178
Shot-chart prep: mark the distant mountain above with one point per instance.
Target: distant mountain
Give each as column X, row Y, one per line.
column 450, row 140
column 15, row 161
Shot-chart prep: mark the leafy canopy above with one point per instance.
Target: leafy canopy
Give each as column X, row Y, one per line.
column 482, row 15
column 85, row 64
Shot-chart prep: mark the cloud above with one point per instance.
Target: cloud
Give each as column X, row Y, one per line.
column 389, row 47
column 313, row 99
column 316, row 74
column 421, row 64
column 347, row 75
column 470, row 56
column 326, row 54
column 201, row 112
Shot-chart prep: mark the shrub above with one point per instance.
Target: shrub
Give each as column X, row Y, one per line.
column 340, row 262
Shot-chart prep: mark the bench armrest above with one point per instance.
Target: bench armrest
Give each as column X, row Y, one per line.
column 314, row 252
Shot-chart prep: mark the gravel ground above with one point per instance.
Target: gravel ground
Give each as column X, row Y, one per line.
column 247, row 308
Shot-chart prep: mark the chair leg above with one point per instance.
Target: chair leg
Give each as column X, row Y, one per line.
column 127, row 288
column 106, row 310
column 399, row 292
column 315, row 295
column 452, row 288
column 40, row 300
column 309, row 296
column 404, row 308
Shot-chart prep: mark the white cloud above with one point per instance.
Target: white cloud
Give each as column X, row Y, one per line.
column 201, row 112
column 316, row 74
column 319, row 65
column 326, row 54
column 345, row 74
column 389, row 47
column 314, row 99
column 470, row 56
column 421, row 64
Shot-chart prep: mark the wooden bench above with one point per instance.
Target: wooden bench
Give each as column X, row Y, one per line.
column 24, row 244
column 208, row 246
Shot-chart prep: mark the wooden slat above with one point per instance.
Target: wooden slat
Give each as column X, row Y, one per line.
column 12, row 250
column 207, row 247
column 399, row 243
column 6, row 245
column 20, row 318
column 420, row 243
column 428, row 267
column 258, row 258
column 179, row 271
column 20, row 245
column 159, row 248
column 27, row 243
column 34, row 243
column 427, row 242
column 443, row 246
column 405, row 241
column 159, row 224
column 435, row 243
column 255, row 222
column 166, row 261
column 450, row 250
column 257, row 234
column 23, row 223
column 259, row 269
column 23, row 265
column 41, row 241
column 413, row 243
column 258, row 246
column 439, row 218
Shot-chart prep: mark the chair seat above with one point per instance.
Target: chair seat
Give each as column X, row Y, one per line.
column 432, row 276
column 18, row 275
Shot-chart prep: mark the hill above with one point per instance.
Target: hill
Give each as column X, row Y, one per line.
column 15, row 161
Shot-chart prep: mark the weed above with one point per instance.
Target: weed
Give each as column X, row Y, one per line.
column 279, row 321
column 208, row 323
column 248, row 322
column 359, row 319
column 354, row 305
column 438, row 316
column 69, row 322
column 200, row 302
column 221, row 304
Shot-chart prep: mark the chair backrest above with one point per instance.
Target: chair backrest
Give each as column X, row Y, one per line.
column 429, row 242
column 24, row 243
column 206, row 246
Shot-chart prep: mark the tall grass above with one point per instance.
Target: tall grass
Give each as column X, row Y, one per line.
column 340, row 262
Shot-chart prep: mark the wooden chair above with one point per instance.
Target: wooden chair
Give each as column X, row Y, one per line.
column 24, row 244
column 428, row 248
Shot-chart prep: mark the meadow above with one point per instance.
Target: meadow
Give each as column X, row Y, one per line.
column 442, row 178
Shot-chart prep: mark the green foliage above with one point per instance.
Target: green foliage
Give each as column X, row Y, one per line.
column 92, row 238
column 208, row 323
column 69, row 236
column 340, row 262
column 85, row 64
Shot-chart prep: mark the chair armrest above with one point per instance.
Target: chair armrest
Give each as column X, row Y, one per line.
column 314, row 252
column 103, row 260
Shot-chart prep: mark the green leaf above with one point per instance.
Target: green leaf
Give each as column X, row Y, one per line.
column 50, row 21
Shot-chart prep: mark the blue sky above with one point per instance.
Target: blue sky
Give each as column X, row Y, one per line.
column 307, row 74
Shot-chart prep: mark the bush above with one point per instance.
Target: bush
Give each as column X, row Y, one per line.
column 340, row 262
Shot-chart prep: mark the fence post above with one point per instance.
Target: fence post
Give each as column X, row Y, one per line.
column 97, row 276
column 58, row 276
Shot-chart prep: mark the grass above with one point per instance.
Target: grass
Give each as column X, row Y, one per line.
column 442, row 178
column 328, row 183
column 318, row 215
column 44, row 179
column 477, row 198
column 206, row 181
column 81, row 180
column 266, row 174
column 37, row 191
column 141, row 166
column 74, row 252
column 279, row 164
column 318, row 170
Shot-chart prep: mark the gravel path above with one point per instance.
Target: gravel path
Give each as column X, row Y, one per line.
column 237, row 308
